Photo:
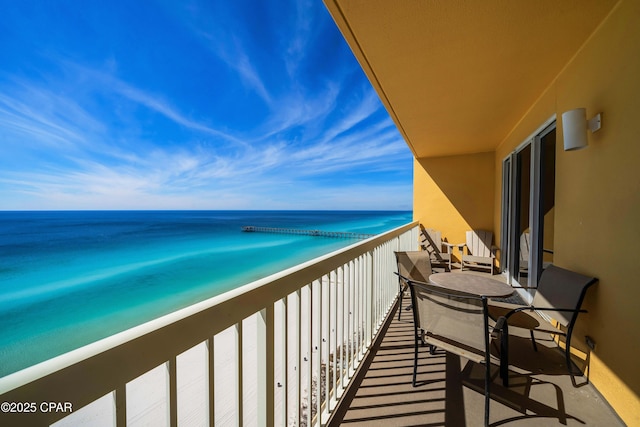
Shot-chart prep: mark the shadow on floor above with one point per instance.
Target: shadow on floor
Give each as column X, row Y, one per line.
column 450, row 390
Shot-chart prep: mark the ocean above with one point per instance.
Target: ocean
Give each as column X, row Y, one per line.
column 69, row 278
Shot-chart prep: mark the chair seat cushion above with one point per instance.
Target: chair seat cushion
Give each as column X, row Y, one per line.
column 477, row 259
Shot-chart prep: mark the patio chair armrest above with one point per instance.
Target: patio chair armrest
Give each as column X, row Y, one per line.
column 450, row 246
column 533, row 308
column 517, row 310
column 401, row 277
column 569, row 310
column 499, row 327
column 409, row 280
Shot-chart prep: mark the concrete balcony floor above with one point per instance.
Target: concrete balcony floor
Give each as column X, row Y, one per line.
column 450, row 390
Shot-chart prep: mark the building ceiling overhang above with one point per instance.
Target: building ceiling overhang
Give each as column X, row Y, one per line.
column 457, row 76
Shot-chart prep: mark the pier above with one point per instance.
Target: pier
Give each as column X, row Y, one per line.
column 319, row 233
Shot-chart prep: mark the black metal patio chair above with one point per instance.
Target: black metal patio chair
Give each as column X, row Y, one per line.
column 455, row 322
column 559, row 294
column 415, row 265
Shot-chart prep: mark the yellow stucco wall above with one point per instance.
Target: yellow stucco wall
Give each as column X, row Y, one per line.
column 597, row 207
column 454, row 194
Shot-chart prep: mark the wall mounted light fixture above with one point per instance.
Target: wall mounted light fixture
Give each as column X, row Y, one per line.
column 575, row 125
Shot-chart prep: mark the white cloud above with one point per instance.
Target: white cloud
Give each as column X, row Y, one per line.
column 41, row 116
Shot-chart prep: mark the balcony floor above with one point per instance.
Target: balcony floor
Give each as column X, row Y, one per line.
column 450, row 390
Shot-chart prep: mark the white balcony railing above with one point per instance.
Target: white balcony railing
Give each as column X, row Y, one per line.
column 278, row 351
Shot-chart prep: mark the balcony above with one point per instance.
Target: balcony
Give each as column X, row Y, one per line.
column 316, row 344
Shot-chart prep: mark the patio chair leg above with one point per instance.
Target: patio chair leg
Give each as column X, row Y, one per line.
column 487, row 365
column 400, row 306
column 567, row 355
column 504, row 356
column 533, row 341
column 415, row 357
column 487, row 396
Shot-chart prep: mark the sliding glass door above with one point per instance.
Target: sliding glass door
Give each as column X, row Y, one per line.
column 528, row 199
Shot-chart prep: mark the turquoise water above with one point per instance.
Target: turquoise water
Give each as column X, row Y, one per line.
column 70, row 278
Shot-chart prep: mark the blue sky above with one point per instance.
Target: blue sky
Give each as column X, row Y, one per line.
column 190, row 105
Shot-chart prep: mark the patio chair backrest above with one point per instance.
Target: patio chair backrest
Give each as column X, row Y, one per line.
column 525, row 244
column 414, row 265
column 431, row 241
column 457, row 322
column 561, row 288
column 479, row 243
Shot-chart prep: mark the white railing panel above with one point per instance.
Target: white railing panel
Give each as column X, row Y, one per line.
column 325, row 348
column 295, row 357
column 306, row 392
column 147, row 398
column 340, row 332
column 352, row 315
column 226, row 366
column 100, row 413
column 281, row 363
